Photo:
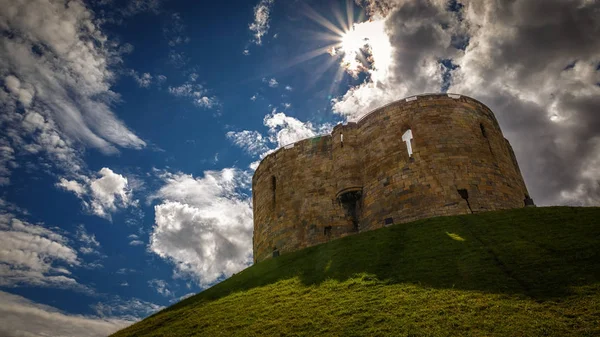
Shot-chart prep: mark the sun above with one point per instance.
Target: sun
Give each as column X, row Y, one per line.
column 352, row 41
column 356, row 45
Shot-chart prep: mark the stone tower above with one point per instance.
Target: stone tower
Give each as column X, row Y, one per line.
column 419, row 157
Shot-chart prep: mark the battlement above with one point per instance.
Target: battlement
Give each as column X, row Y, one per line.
column 418, row 157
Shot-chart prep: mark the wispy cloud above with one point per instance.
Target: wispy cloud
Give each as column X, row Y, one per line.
column 22, row 317
column 260, row 26
column 160, row 286
column 197, row 93
column 34, row 255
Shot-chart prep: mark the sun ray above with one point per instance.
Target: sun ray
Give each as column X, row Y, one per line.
column 321, row 20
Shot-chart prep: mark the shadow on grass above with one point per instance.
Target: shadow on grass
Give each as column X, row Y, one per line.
column 536, row 252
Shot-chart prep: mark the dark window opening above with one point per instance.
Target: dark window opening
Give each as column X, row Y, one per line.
column 275, row 252
column 388, row 221
column 351, row 202
column 483, row 132
column 465, row 195
column 327, row 231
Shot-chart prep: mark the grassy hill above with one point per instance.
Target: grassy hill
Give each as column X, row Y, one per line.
column 524, row 272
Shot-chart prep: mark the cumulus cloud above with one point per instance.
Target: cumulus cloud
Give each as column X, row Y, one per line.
column 260, row 26
column 534, row 63
column 22, row 317
column 35, row 256
column 108, row 192
column 204, row 225
column 102, row 194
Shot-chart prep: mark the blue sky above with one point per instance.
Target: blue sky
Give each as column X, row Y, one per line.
column 130, row 130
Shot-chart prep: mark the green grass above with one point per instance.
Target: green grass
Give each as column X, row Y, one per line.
column 523, row 272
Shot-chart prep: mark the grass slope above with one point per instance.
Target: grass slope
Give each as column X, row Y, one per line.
column 523, row 272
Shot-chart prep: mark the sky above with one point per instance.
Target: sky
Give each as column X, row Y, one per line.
column 130, row 130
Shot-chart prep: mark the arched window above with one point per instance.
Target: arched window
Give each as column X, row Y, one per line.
column 407, row 138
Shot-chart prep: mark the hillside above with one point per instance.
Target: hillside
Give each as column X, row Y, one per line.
column 524, row 272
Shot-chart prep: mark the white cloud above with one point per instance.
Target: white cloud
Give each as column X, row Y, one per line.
column 136, row 243
column 36, row 256
column 272, row 82
column 197, row 93
column 260, row 26
column 206, row 102
column 103, row 194
column 251, row 141
column 282, row 130
column 253, row 98
column 133, row 236
column 186, row 90
column 72, row 186
column 288, row 88
column 22, row 317
column 130, row 310
column 160, row 286
column 174, row 31
column 161, row 79
column 109, row 192
column 144, row 80
column 7, row 162
column 204, row 225
column 89, row 244
column 60, row 67
column 246, row 52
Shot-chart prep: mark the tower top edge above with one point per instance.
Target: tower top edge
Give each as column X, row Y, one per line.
column 357, row 123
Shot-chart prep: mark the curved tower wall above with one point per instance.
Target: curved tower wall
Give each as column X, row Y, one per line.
column 331, row 186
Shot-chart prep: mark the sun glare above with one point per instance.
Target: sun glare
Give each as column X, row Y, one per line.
column 354, row 44
column 365, row 47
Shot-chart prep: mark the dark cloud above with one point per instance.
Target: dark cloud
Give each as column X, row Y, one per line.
column 534, row 63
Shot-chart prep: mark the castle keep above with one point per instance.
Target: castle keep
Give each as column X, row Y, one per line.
column 419, row 157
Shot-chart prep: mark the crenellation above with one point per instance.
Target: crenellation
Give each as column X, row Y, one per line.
column 361, row 177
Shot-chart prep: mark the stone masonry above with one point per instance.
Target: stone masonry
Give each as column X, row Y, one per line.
column 361, row 177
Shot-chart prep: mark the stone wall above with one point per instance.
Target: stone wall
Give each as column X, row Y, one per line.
column 361, row 177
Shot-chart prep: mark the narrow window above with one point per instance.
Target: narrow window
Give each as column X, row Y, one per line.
column 465, row 195
column 273, row 187
column 483, row 130
column 407, row 137
column 342, row 139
